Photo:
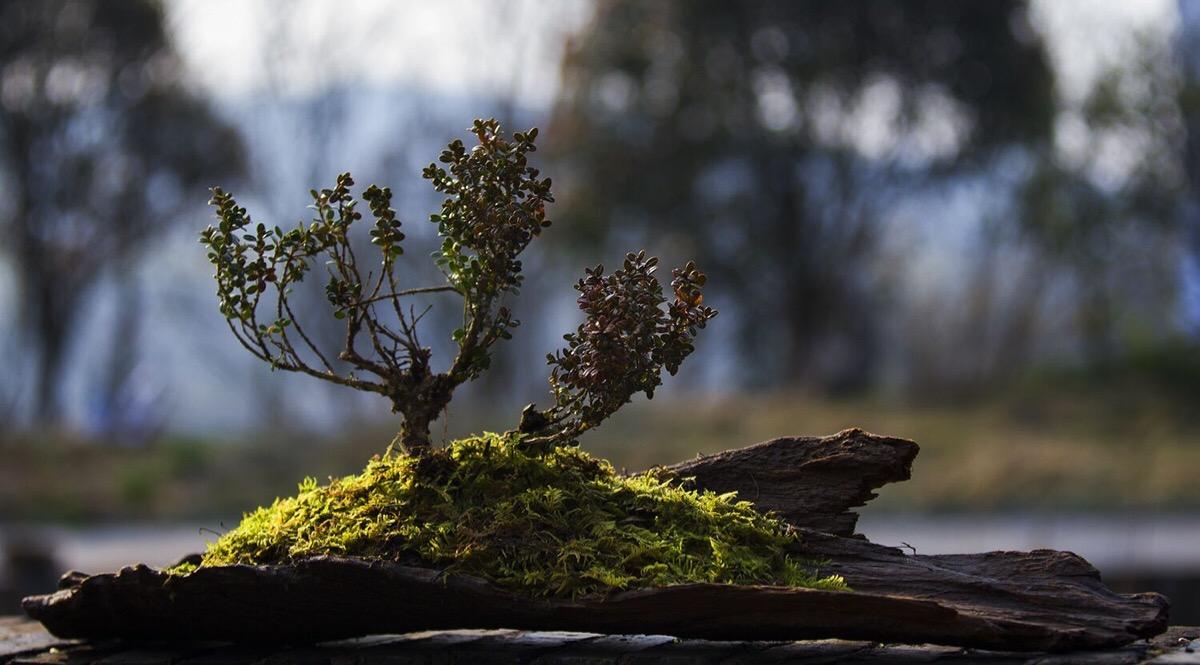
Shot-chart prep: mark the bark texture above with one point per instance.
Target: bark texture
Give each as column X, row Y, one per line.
column 325, row 598
column 1058, row 594
column 1016, row 601
column 809, row 481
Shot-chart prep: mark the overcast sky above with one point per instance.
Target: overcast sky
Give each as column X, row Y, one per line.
column 450, row 46
column 456, row 45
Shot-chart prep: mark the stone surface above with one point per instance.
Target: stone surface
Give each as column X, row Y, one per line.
column 488, row 647
column 1188, row 652
column 19, row 635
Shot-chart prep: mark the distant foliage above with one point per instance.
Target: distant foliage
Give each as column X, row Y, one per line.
column 495, row 206
column 100, row 142
column 744, row 121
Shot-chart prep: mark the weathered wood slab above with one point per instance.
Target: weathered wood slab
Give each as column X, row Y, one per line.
column 1036, row 601
column 811, row 482
column 326, row 598
column 490, row 647
column 1054, row 592
column 1057, row 594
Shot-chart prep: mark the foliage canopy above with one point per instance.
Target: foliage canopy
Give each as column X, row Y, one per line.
column 494, row 206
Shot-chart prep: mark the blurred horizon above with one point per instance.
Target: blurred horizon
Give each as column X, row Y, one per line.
column 381, row 111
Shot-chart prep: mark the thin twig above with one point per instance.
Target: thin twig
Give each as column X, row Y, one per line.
column 406, row 292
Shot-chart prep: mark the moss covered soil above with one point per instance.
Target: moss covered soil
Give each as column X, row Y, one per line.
column 559, row 523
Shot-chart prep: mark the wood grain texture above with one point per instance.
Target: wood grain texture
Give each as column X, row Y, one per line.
column 1013, row 601
column 1045, row 590
column 325, row 598
column 811, row 482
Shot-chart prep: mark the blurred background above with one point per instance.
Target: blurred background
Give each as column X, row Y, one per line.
column 976, row 225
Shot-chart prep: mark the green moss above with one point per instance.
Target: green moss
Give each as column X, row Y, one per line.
column 185, row 568
column 561, row 523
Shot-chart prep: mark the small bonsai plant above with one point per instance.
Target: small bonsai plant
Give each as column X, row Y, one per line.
column 495, row 206
column 522, row 509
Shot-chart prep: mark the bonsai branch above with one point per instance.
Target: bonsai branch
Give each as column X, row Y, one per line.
column 494, row 206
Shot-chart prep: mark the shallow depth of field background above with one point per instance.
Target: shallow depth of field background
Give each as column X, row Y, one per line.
column 976, row 225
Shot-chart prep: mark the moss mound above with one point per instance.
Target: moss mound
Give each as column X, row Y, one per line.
column 561, row 523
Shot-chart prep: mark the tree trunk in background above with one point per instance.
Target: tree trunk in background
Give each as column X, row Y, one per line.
column 800, row 301
column 53, row 308
column 1189, row 55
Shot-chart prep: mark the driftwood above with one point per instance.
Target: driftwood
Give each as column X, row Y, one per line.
column 324, row 598
column 809, row 481
column 1036, row 601
column 1056, row 596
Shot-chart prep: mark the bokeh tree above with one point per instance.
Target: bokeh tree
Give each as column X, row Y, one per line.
column 766, row 139
column 1188, row 52
column 1104, row 214
column 101, row 147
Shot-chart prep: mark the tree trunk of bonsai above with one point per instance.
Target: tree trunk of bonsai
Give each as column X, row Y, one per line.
column 414, row 435
column 420, row 410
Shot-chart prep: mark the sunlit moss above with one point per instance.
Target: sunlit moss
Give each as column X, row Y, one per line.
column 183, row 568
column 561, row 523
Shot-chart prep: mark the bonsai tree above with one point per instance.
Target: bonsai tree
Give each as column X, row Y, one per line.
column 494, row 206
column 521, row 509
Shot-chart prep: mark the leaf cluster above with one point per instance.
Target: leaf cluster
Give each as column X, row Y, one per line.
column 495, row 206
column 254, row 262
column 625, row 342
